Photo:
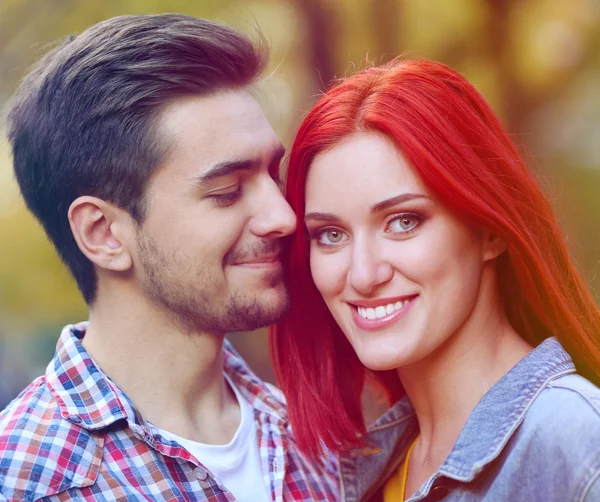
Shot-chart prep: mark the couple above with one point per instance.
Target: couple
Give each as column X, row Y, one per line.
column 419, row 256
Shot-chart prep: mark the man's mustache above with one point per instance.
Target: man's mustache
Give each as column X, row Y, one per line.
column 261, row 249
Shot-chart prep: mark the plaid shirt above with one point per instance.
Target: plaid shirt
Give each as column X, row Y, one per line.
column 73, row 435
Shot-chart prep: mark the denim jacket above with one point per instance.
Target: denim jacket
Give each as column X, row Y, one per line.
column 534, row 436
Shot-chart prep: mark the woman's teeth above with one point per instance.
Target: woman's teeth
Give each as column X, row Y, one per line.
column 381, row 310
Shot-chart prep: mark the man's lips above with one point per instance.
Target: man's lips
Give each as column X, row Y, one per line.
column 260, row 261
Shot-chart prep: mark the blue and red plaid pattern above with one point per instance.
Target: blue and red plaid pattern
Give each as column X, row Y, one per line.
column 72, row 434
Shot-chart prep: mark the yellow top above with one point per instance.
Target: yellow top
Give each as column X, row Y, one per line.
column 395, row 486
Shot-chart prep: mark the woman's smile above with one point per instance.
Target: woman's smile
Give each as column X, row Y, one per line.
column 382, row 314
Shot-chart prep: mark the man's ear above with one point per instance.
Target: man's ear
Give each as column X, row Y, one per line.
column 494, row 246
column 103, row 232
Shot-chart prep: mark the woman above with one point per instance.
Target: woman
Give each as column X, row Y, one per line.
column 430, row 261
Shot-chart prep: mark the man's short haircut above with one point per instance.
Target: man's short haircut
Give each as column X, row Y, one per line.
column 83, row 121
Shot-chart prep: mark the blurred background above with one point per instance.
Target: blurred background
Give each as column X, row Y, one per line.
column 536, row 61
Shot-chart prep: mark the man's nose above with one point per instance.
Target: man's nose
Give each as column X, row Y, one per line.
column 274, row 217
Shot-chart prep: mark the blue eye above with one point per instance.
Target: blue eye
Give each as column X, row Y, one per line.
column 404, row 223
column 330, row 237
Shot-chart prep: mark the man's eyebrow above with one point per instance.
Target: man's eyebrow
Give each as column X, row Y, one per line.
column 228, row 167
column 380, row 206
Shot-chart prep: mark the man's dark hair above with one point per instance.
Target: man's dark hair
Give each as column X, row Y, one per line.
column 83, row 121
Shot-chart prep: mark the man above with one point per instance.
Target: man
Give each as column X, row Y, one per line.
column 139, row 147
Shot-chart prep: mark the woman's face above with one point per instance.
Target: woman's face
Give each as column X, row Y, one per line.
column 399, row 273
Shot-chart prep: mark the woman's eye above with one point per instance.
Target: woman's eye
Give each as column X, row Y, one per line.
column 404, row 223
column 331, row 237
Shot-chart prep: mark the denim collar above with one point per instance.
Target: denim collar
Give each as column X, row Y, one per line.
column 483, row 437
column 364, row 469
column 502, row 409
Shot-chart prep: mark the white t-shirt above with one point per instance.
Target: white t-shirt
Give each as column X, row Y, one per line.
column 236, row 464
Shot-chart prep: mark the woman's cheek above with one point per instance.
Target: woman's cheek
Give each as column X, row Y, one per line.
column 327, row 272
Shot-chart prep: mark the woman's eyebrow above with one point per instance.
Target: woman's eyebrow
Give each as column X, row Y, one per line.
column 321, row 217
column 398, row 199
column 376, row 208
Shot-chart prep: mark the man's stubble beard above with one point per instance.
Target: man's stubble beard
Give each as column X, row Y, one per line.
column 194, row 299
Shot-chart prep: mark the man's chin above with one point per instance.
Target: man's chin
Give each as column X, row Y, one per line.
column 245, row 307
column 272, row 279
column 275, row 301
column 268, row 307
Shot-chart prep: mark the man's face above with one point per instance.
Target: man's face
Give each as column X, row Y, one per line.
column 208, row 249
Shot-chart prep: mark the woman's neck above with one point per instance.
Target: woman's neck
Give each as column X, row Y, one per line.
column 445, row 387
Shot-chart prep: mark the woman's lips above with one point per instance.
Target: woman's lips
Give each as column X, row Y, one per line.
column 385, row 321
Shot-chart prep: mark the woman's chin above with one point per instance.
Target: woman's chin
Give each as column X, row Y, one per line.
column 381, row 360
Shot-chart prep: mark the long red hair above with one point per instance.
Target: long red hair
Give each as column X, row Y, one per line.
column 457, row 146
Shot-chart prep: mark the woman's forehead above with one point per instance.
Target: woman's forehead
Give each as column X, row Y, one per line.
column 363, row 167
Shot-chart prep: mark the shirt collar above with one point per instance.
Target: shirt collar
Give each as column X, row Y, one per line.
column 84, row 394
column 88, row 397
column 262, row 396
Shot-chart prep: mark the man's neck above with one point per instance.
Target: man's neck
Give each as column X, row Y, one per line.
column 173, row 377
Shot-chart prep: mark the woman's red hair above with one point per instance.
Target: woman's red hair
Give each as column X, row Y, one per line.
column 457, row 146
